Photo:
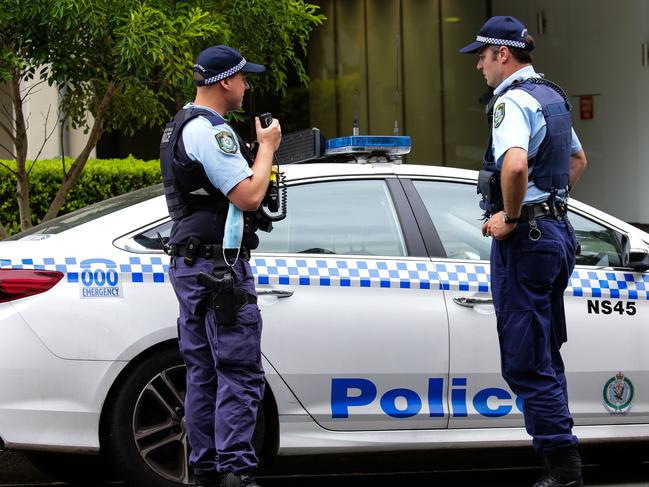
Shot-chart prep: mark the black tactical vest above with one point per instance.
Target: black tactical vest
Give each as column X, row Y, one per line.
column 196, row 207
column 549, row 169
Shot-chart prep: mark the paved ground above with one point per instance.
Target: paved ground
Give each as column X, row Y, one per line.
column 503, row 469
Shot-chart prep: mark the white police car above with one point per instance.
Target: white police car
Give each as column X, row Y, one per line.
column 379, row 332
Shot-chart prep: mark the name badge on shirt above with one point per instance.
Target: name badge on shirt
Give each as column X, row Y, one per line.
column 226, row 142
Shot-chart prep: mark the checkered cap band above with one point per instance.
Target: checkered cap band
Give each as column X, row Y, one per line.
column 225, row 74
column 500, row 42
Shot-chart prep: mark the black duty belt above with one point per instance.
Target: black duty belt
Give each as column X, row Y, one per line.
column 543, row 210
column 206, row 251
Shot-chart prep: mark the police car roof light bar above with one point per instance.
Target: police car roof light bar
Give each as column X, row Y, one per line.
column 389, row 145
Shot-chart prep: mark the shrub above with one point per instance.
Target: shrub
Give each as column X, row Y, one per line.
column 100, row 179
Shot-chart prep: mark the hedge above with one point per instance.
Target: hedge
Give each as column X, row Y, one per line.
column 100, row 179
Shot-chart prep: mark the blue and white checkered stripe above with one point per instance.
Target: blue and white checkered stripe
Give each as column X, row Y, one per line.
column 226, row 73
column 500, row 42
column 609, row 284
column 136, row 269
column 354, row 273
column 370, row 273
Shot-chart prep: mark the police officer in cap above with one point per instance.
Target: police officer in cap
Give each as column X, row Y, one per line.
column 532, row 161
column 205, row 166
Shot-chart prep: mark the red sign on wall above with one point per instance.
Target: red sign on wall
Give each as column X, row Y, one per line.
column 586, row 107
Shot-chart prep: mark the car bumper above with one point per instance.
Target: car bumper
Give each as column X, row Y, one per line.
column 47, row 403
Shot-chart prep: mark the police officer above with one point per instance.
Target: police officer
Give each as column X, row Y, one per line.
column 532, row 161
column 205, row 166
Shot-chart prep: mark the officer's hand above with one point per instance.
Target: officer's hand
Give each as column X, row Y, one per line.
column 496, row 227
column 271, row 135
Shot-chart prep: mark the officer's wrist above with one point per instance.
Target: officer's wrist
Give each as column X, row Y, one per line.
column 510, row 220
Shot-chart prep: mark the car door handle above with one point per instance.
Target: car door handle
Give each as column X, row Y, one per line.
column 278, row 293
column 471, row 302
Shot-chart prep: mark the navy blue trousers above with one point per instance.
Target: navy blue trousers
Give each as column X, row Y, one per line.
column 528, row 279
column 225, row 378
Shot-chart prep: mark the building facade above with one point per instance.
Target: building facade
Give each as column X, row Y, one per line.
column 394, row 66
column 397, row 60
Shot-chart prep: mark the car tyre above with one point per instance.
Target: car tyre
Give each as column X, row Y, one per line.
column 144, row 429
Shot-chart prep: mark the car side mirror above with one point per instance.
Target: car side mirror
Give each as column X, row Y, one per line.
column 637, row 258
column 625, row 248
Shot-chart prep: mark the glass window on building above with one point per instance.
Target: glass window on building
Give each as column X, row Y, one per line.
column 394, row 65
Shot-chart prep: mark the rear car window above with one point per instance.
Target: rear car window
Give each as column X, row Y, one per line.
column 89, row 213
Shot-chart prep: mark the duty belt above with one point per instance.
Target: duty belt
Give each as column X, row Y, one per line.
column 207, row 251
column 545, row 209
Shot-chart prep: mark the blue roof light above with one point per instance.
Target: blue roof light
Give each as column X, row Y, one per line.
column 387, row 144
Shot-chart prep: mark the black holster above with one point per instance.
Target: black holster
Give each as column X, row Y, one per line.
column 490, row 190
column 225, row 299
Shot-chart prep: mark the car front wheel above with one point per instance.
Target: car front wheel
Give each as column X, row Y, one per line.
column 145, row 428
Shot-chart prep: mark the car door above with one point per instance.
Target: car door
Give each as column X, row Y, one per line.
column 478, row 396
column 351, row 321
column 606, row 355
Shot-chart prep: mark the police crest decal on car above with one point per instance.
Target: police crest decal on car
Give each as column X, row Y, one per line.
column 618, row 394
column 499, row 115
column 226, row 142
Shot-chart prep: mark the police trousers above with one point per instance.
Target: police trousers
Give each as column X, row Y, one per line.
column 225, row 378
column 528, row 279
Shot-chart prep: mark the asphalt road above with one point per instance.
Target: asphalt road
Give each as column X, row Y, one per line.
column 603, row 467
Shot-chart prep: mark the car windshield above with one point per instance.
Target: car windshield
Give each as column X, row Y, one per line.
column 89, row 213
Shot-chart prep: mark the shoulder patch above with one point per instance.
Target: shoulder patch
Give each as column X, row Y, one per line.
column 499, row 114
column 227, row 142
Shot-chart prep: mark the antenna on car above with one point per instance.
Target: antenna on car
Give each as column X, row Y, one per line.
column 355, row 129
column 397, row 71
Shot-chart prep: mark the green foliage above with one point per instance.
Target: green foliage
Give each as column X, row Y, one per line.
column 146, row 48
column 101, row 179
column 271, row 32
column 129, row 62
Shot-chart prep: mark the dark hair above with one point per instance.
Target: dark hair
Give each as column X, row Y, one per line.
column 521, row 55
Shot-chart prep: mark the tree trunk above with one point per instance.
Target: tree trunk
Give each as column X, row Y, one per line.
column 3, row 232
column 20, row 143
column 79, row 163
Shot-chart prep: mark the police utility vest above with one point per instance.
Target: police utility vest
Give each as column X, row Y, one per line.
column 198, row 209
column 549, row 169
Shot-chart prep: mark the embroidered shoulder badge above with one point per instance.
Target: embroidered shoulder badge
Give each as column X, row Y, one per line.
column 226, row 142
column 499, row 115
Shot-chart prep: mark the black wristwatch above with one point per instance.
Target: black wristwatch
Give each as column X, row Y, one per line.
column 508, row 219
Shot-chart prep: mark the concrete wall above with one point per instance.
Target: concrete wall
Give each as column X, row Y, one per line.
column 41, row 109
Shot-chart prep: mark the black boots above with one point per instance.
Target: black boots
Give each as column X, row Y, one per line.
column 562, row 469
column 237, row 480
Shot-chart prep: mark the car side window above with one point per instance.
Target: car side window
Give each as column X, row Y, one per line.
column 599, row 245
column 337, row 217
column 454, row 209
column 149, row 239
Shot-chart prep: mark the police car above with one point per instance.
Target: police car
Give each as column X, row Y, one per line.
column 379, row 329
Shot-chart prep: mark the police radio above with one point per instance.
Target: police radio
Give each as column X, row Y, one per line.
column 274, row 205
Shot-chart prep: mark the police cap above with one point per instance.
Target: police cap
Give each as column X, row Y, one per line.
column 218, row 62
column 500, row 31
